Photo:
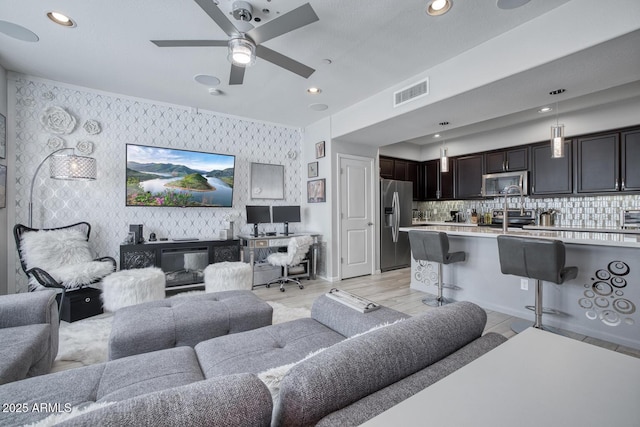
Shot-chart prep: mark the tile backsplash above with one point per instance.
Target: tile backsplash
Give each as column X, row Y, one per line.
column 583, row 212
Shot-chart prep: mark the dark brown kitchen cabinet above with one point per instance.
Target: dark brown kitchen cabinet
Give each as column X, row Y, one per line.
column 437, row 185
column 468, row 177
column 515, row 159
column 548, row 175
column 630, row 167
column 386, row 167
column 401, row 170
column 597, row 161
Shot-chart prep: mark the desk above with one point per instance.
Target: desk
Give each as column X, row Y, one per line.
column 277, row 241
column 534, row 379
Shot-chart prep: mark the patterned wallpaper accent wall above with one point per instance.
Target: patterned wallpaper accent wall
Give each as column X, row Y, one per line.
column 128, row 120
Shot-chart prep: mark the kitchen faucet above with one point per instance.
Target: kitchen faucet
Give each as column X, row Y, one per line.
column 505, row 212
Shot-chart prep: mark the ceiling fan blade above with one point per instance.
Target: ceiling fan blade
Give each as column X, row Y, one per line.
column 189, row 43
column 284, row 61
column 299, row 17
column 237, row 75
column 218, row 16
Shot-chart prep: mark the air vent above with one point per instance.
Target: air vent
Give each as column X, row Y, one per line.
column 410, row 93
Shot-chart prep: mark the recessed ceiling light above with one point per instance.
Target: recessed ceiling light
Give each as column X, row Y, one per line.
column 545, row 110
column 438, row 7
column 314, row 90
column 61, row 19
column 437, row 135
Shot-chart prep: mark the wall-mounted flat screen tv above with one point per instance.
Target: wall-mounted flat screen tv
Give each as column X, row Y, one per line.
column 170, row 177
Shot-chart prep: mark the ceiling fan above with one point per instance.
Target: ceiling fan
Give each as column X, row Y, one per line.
column 244, row 46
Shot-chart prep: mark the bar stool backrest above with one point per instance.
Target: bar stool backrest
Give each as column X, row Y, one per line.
column 429, row 246
column 540, row 259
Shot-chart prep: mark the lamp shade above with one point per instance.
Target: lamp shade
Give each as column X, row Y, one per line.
column 444, row 160
column 242, row 52
column 73, row 168
column 557, row 141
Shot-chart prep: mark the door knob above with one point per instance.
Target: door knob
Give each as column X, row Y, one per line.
column 369, row 223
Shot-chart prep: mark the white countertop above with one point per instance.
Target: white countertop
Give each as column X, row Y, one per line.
column 460, row 224
column 577, row 237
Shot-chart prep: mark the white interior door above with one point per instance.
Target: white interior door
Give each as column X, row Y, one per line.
column 356, row 217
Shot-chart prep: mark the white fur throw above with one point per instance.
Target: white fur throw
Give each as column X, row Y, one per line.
column 64, row 254
column 76, row 411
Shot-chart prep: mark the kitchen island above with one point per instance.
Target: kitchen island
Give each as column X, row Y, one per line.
column 601, row 302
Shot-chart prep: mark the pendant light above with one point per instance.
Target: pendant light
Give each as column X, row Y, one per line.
column 444, row 159
column 557, row 133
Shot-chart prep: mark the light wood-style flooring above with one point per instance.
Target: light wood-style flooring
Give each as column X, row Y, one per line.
column 392, row 290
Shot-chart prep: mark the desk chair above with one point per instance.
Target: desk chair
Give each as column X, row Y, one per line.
column 296, row 251
column 539, row 259
column 434, row 246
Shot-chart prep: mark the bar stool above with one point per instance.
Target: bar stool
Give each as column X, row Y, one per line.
column 539, row 259
column 434, row 246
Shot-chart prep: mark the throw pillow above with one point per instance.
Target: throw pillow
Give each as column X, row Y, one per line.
column 50, row 249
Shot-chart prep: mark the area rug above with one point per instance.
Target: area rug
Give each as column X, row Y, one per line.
column 85, row 341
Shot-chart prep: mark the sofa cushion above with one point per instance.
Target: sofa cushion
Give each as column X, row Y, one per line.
column 185, row 321
column 144, row 373
column 73, row 387
column 25, row 352
column 258, row 350
column 378, row 402
column 351, row 370
column 230, row 401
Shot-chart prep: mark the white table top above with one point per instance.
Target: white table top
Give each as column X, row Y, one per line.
column 573, row 237
column 535, row 379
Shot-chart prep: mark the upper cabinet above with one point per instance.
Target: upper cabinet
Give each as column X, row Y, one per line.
column 468, row 175
column 510, row 160
column 549, row 175
column 436, row 185
column 401, row 170
column 598, row 164
column 630, row 167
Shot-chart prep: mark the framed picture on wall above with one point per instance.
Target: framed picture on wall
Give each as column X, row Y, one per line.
column 312, row 169
column 3, row 136
column 3, row 186
column 319, row 149
column 316, row 191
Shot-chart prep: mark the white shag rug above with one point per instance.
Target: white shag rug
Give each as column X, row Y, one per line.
column 85, row 341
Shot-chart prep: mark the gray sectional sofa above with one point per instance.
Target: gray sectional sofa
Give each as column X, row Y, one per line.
column 354, row 376
column 28, row 334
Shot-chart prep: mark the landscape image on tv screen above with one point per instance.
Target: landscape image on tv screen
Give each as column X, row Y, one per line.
column 170, row 177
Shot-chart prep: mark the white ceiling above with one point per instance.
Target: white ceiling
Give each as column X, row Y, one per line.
column 372, row 44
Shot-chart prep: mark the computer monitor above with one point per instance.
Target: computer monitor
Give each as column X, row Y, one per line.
column 258, row 215
column 286, row 214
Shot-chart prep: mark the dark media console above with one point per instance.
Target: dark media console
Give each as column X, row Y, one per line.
column 182, row 262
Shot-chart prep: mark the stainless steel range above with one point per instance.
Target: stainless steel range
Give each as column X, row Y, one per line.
column 515, row 217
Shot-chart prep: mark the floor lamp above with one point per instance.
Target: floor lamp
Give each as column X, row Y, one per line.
column 69, row 167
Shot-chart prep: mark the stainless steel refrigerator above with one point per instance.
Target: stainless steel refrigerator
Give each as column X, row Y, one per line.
column 395, row 211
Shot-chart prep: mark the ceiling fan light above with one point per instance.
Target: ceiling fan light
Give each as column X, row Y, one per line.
column 242, row 52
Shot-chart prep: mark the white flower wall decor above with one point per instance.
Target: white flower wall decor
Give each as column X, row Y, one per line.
column 92, row 127
column 57, row 120
column 84, row 147
column 55, row 143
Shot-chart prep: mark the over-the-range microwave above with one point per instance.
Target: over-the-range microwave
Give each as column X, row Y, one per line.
column 494, row 184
